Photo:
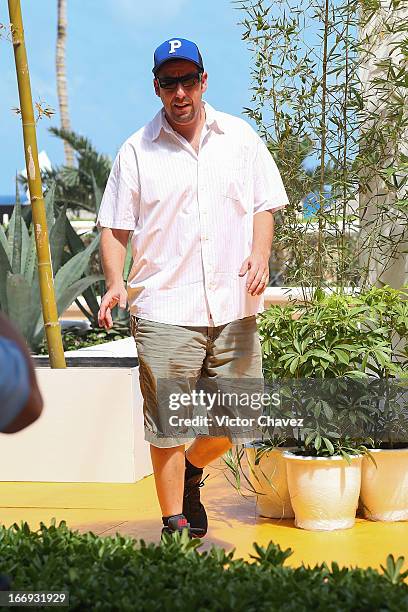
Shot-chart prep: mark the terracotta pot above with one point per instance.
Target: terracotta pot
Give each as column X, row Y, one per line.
column 384, row 489
column 324, row 491
column 269, row 479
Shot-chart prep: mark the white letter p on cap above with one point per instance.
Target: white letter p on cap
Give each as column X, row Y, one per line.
column 174, row 44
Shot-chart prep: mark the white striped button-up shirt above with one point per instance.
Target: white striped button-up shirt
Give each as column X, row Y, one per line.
column 192, row 217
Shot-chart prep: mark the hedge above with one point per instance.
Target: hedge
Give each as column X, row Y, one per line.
column 120, row 573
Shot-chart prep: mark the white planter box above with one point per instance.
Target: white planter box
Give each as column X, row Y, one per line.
column 91, row 430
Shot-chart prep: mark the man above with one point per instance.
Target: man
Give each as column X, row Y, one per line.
column 198, row 189
column 20, row 398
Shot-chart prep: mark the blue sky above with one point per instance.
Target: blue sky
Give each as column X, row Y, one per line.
column 109, row 60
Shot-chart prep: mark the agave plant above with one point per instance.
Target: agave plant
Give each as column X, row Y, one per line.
column 19, row 287
column 81, row 187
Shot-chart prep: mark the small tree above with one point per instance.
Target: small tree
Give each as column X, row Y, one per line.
column 309, row 90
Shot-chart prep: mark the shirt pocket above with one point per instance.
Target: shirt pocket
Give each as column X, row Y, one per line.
column 235, row 185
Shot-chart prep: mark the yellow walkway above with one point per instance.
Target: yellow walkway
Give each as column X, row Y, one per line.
column 132, row 509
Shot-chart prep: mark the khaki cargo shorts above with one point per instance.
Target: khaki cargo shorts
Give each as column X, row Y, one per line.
column 175, row 360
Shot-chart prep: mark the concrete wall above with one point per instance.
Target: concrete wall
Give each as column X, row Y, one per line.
column 91, row 430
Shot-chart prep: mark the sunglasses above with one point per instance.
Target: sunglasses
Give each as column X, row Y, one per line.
column 188, row 80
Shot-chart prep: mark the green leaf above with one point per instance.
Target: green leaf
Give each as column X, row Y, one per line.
column 58, row 239
column 294, row 365
column 341, row 355
column 31, row 257
column 49, row 203
column 16, row 233
column 98, row 193
column 329, row 445
column 89, row 296
column 346, row 347
column 319, row 295
column 5, row 268
column 20, row 308
column 10, row 233
column 74, row 290
column 74, row 268
column 4, row 243
column 309, row 438
column 321, row 354
column 74, row 241
column 25, row 245
column 327, row 411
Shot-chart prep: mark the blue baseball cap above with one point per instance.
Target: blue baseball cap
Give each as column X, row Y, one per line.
column 177, row 48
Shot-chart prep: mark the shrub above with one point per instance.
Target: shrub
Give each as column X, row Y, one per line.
column 119, row 573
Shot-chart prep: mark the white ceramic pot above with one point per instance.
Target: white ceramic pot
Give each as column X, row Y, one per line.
column 269, row 479
column 324, row 491
column 384, row 489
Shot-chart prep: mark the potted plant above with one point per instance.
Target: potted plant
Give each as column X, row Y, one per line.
column 384, row 486
column 267, row 476
column 298, row 341
column 324, row 481
column 335, row 337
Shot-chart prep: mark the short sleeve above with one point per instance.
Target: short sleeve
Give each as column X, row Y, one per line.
column 119, row 208
column 14, row 382
column 269, row 191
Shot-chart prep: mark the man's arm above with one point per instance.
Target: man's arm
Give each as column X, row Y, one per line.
column 34, row 405
column 113, row 252
column 257, row 264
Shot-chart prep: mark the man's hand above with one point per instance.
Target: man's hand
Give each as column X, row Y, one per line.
column 257, row 266
column 114, row 296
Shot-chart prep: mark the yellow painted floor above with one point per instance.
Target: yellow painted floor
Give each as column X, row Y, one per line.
column 132, row 509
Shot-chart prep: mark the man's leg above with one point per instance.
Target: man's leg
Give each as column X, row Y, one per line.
column 168, row 467
column 205, row 450
column 167, row 353
column 233, row 352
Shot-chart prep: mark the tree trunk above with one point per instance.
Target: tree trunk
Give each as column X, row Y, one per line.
column 62, row 78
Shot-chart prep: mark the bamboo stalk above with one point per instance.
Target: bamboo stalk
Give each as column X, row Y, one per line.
column 49, row 307
column 323, row 125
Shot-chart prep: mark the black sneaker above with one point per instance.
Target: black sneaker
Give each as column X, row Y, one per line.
column 179, row 523
column 193, row 509
column 176, row 524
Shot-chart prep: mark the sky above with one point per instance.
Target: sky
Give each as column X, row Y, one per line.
column 109, row 59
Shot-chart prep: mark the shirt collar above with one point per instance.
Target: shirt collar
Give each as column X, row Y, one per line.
column 159, row 123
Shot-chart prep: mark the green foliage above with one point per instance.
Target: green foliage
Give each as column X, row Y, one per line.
column 337, row 335
column 310, row 99
column 353, row 351
column 76, row 338
column 80, row 186
column 119, row 573
column 19, row 286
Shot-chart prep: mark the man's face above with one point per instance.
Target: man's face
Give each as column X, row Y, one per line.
column 182, row 104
